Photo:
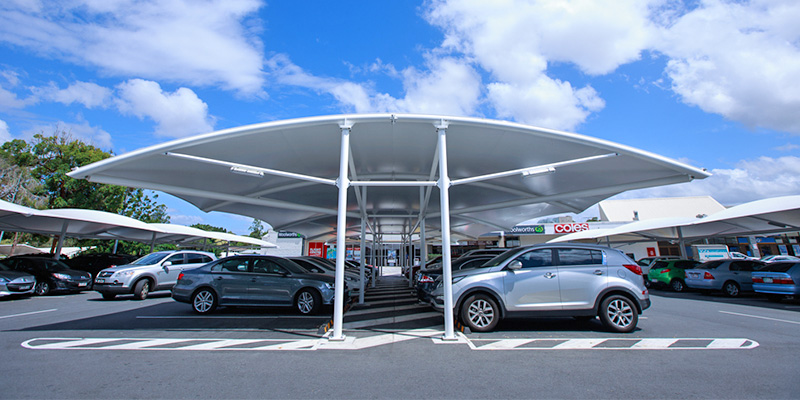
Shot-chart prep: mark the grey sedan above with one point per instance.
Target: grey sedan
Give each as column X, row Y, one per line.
column 15, row 282
column 253, row 281
column 730, row 276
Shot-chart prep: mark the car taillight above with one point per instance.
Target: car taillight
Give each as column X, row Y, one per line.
column 783, row 281
column 665, row 270
column 633, row 268
column 180, row 276
column 757, row 280
column 708, row 276
column 425, row 279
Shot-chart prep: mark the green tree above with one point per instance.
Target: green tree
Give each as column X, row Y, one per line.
column 257, row 229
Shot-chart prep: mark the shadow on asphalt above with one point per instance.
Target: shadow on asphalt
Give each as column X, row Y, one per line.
column 746, row 299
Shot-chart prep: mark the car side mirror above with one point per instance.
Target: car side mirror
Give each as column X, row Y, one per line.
column 166, row 263
column 515, row 265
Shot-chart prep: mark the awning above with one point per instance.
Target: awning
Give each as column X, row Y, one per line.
column 296, row 175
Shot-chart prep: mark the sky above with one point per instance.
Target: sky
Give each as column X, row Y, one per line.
column 712, row 83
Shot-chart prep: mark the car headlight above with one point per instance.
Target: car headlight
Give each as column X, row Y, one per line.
column 123, row 274
column 3, row 280
column 63, row 277
column 330, row 286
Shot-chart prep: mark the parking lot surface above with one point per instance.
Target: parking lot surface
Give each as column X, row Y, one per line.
column 687, row 345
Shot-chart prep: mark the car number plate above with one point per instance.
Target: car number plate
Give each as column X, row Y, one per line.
column 81, row 284
column 100, row 280
column 653, row 280
column 767, row 280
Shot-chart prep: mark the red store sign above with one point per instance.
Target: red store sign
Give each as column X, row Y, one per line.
column 570, row 228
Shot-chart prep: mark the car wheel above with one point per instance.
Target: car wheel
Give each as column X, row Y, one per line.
column 204, row 301
column 618, row 314
column 480, row 313
column 308, row 301
column 109, row 296
column 677, row 285
column 42, row 288
column 731, row 289
column 141, row 290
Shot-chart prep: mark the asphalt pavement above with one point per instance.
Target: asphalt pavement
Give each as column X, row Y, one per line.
column 687, row 345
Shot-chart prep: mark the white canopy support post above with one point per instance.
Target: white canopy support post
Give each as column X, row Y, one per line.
column 153, row 243
column 341, row 226
column 681, row 243
column 361, row 266
column 116, row 243
column 57, row 252
column 423, row 252
column 444, row 197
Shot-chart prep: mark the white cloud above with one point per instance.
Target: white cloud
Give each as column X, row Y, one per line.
column 93, row 135
column 177, row 114
column 87, row 93
column 5, row 135
column 738, row 59
column 197, row 42
column 751, row 180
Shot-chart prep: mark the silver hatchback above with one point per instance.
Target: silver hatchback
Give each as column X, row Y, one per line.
column 550, row 280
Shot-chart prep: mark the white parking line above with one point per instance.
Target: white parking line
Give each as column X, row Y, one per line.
column 613, row 344
column 28, row 313
column 228, row 316
column 760, row 317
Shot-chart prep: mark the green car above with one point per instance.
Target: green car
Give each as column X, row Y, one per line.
column 670, row 273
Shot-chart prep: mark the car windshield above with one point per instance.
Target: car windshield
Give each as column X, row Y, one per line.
column 55, row 265
column 710, row 265
column 778, row 267
column 3, row 267
column 151, row 259
column 499, row 259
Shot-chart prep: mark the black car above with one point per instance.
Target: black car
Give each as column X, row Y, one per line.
column 51, row 275
column 426, row 280
column 94, row 263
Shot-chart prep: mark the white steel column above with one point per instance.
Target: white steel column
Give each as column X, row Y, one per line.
column 60, row 245
column 363, row 260
column 341, row 226
column 423, row 252
column 444, row 196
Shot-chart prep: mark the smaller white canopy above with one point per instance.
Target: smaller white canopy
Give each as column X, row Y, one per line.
column 773, row 215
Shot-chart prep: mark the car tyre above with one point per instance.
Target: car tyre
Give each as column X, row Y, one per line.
column 619, row 314
column 480, row 313
column 42, row 288
column 204, row 301
column 109, row 296
column 308, row 302
column 141, row 290
column 677, row 285
column 731, row 289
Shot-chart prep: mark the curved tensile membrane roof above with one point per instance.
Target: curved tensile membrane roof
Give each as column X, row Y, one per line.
column 284, row 172
column 760, row 217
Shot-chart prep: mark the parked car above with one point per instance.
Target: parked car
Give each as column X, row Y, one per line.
column 670, row 273
column 478, row 252
column 779, row 258
column 153, row 272
column 253, row 280
column 15, row 283
column 777, row 280
column 51, row 275
column 732, row 277
column 648, row 262
column 96, row 262
column 739, row 256
column 552, row 280
column 427, row 279
column 317, row 265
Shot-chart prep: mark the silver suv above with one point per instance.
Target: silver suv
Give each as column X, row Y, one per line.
column 155, row 271
column 550, row 280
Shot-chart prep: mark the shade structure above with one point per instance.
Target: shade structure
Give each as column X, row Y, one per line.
column 93, row 224
column 296, row 175
column 773, row 215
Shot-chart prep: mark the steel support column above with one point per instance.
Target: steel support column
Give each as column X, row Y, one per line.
column 341, row 219
column 444, row 198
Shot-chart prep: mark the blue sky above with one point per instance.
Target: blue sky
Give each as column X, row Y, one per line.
column 715, row 84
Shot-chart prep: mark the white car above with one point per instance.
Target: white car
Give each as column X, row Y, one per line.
column 779, row 258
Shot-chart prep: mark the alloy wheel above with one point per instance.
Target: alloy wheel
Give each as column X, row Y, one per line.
column 305, row 302
column 203, row 301
column 481, row 313
column 620, row 313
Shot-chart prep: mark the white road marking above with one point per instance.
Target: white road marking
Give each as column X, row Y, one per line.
column 351, row 343
column 618, row 344
column 760, row 317
column 229, row 316
column 28, row 313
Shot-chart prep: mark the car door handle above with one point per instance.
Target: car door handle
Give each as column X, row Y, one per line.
column 598, row 272
column 549, row 275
